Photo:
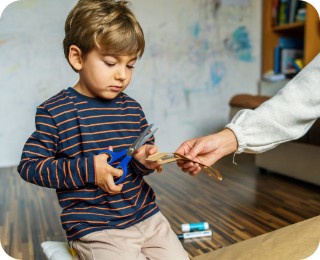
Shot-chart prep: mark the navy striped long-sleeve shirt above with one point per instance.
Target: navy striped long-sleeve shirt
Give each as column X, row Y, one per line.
column 70, row 129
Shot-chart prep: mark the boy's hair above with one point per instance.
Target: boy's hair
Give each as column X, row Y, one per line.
column 106, row 24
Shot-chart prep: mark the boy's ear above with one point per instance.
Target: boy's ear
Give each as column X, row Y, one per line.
column 75, row 57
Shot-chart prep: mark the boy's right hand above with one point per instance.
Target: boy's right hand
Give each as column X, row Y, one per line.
column 105, row 174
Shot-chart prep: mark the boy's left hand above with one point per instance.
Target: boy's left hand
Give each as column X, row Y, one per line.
column 143, row 153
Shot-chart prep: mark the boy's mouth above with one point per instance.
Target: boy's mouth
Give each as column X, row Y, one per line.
column 116, row 88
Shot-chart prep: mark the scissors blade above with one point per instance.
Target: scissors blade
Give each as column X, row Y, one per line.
column 145, row 139
column 142, row 139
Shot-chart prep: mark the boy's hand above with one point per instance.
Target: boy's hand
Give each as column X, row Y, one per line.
column 105, row 174
column 143, row 153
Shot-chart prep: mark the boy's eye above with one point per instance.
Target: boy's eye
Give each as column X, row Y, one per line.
column 130, row 66
column 110, row 64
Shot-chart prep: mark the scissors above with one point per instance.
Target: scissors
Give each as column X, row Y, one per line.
column 126, row 155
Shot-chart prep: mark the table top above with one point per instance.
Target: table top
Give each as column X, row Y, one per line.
column 296, row 241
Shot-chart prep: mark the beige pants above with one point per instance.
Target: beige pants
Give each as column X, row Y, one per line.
column 150, row 239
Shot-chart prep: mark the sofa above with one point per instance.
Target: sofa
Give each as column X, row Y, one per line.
column 299, row 159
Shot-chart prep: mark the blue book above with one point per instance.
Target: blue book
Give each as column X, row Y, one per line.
column 290, row 43
column 283, row 12
column 293, row 10
column 277, row 60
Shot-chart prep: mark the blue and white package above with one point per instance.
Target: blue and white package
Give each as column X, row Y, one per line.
column 199, row 226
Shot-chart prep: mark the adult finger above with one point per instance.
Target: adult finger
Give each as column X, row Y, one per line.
column 184, row 148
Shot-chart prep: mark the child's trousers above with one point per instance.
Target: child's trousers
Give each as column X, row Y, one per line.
column 151, row 239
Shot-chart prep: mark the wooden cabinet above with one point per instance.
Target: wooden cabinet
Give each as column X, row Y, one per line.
column 309, row 31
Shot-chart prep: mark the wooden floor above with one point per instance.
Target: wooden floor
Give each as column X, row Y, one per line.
column 244, row 205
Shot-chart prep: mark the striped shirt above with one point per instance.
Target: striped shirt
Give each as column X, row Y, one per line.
column 70, row 130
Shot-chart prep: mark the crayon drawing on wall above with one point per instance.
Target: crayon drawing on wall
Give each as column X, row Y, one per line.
column 198, row 54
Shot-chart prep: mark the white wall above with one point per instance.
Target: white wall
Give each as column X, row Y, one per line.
column 198, row 54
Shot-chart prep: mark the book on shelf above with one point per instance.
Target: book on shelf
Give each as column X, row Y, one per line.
column 287, row 11
column 277, row 60
column 288, row 56
column 288, row 42
column 288, row 60
column 298, row 64
column 275, row 6
column 282, row 12
column 293, row 9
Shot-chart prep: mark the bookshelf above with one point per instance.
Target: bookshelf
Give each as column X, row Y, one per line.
column 308, row 31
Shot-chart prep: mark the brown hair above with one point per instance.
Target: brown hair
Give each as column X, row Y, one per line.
column 107, row 24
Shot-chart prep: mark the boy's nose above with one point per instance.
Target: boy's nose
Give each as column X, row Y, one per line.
column 120, row 75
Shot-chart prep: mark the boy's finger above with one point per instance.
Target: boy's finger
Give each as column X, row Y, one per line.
column 159, row 169
column 112, row 187
column 116, row 188
column 153, row 149
column 117, row 172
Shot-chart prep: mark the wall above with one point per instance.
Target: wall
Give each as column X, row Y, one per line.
column 198, row 54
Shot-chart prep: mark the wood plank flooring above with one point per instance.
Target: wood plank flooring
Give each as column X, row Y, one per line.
column 244, row 205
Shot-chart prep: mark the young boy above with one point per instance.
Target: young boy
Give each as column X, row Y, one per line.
column 102, row 220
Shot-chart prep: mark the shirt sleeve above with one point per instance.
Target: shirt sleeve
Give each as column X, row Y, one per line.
column 286, row 116
column 41, row 165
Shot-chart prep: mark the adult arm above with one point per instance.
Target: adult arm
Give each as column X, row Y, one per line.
column 286, row 116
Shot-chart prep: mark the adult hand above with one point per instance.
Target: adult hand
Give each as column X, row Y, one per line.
column 207, row 150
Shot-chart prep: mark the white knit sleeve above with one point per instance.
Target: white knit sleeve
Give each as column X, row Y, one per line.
column 286, row 116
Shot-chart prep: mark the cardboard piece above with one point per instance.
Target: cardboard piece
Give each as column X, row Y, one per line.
column 297, row 241
column 162, row 158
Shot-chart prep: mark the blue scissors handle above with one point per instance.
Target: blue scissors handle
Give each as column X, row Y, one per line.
column 114, row 156
column 123, row 165
column 125, row 155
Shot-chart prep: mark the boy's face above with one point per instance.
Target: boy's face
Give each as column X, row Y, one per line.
column 104, row 76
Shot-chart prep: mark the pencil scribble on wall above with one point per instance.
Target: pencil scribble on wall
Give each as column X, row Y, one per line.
column 239, row 44
column 205, row 38
column 213, row 6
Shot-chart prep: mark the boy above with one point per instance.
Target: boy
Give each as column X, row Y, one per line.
column 102, row 220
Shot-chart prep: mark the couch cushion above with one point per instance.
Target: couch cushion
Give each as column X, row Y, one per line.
column 247, row 100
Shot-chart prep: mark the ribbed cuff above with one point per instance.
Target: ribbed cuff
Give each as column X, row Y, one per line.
column 139, row 168
column 240, row 137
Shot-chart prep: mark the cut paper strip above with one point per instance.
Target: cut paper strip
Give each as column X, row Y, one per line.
column 162, row 158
